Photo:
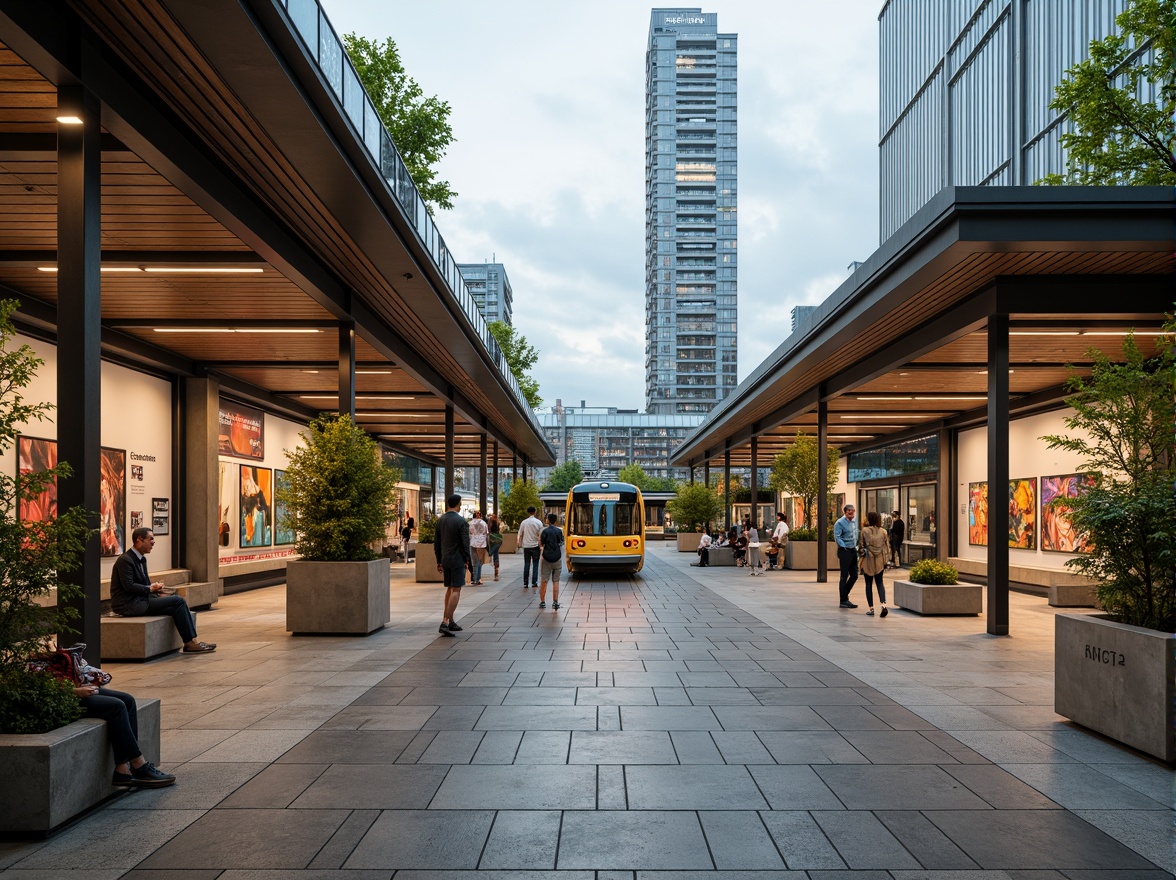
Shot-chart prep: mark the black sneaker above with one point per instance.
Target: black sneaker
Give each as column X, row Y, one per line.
column 884, row 612
column 454, row 628
column 542, row 604
column 123, row 780
column 150, row 776
column 555, row 605
column 848, row 605
column 444, row 630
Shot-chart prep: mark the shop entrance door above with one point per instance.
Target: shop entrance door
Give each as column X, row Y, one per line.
column 916, row 504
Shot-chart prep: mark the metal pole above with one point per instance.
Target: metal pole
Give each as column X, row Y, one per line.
column 347, row 369
column 822, row 493
column 449, row 431
column 755, row 481
column 998, row 475
column 482, row 478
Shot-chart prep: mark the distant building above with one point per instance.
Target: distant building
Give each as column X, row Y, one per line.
column 490, row 289
column 690, row 213
column 965, row 92
column 604, row 439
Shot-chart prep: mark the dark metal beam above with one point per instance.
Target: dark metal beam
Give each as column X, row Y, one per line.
column 346, row 397
column 138, row 258
column 29, row 146
column 754, row 481
column 448, row 452
column 998, row 475
column 482, row 476
column 822, row 496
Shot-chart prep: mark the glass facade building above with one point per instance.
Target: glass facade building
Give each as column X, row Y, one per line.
column 965, row 93
column 604, row 439
column 690, row 213
column 490, row 288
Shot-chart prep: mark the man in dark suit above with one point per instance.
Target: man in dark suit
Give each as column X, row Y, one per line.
column 132, row 594
column 452, row 547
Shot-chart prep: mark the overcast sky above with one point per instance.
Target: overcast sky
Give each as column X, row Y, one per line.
column 548, row 101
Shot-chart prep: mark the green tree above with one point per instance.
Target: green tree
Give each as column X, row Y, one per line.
column 795, row 471
column 695, row 506
column 1124, row 413
column 339, row 496
column 419, row 125
column 1117, row 138
column 520, row 357
column 35, row 554
column 635, row 474
column 562, row 478
column 514, row 506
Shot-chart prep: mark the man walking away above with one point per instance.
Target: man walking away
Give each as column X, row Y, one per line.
column 897, row 535
column 529, row 532
column 845, row 533
column 551, row 539
column 452, row 547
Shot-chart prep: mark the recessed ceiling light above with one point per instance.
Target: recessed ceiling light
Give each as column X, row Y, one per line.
column 203, row 270
column 884, row 397
column 69, row 120
column 101, row 269
column 234, row 330
column 373, row 372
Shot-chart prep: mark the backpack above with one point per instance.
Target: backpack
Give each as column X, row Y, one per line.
column 551, row 538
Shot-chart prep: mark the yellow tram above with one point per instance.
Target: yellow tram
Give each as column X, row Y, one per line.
column 604, row 527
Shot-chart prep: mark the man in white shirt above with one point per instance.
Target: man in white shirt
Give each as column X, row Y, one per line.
column 479, row 531
column 529, row 531
column 780, row 533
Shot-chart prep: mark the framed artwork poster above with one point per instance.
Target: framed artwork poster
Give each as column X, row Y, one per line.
column 112, row 502
column 1023, row 513
column 33, row 455
column 283, row 534
column 256, row 505
column 1058, row 534
column 978, row 514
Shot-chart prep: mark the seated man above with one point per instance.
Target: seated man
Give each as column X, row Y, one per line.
column 132, row 594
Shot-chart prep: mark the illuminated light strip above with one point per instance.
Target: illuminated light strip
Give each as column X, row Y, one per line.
column 232, row 330
column 69, row 120
column 135, row 269
column 219, row 270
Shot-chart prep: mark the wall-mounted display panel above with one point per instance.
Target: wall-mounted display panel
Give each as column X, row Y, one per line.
column 33, row 455
column 256, row 506
column 242, row 431
column 978, row 514
column 112, row 502
column 1057, row 531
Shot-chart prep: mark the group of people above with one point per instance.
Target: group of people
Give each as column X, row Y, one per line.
column 744, row 541
column 462, row 546
column 874, row 547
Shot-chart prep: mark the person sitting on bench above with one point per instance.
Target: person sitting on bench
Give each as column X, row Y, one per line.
column 132, row 594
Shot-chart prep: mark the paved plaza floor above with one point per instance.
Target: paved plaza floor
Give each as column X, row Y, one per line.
column 684, row 723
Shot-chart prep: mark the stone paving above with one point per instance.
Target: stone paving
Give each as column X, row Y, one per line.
column 684, row 723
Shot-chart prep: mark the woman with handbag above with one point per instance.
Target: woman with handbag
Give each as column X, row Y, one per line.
column 874, row 545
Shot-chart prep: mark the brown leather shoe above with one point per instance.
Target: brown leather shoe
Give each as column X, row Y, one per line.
column 200, row 648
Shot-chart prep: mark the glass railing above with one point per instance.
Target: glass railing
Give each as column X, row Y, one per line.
column 307, row 19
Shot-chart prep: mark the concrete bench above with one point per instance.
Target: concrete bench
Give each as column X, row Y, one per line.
column 139, row 638
column 939, row 598
column 199, row 596
column 51, row 778
column 1064, row 588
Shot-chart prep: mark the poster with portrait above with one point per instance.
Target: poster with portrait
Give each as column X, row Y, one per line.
column 242, row 431
column 256, row 506
column 1023, row 513
column 1057, row 531
column 112, row 501
column 283, row 534
column 33, row 455
column 978, row 514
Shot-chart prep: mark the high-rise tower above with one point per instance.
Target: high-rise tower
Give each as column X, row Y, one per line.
column 690, row 212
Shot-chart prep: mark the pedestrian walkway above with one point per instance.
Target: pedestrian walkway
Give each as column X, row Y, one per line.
column 680, row 721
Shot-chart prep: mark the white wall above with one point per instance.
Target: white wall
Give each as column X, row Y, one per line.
column 137, row 418
column 280, row 435
column 1028, row 457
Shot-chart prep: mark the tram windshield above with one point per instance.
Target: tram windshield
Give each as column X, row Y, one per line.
column 605, row 513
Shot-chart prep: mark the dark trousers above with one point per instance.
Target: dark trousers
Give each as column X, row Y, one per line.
column 530, row 565
column 895, row 549
column 847, row 556
column 122, row 724
column 177, row 609
column 871, row 579
column 704, row 556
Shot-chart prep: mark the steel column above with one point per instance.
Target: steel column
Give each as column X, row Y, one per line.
column 347, row 369
column 727, row 488
column 79, row 337
column 998, row 475
column 496, row 478
column 482, row 478
column 822, row 493
column 754, row 480
column 448, row 452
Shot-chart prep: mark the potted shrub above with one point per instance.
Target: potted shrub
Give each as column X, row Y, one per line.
column 56, row 766
column 340, row 498
column 1113, row 672
column 426, row 558
column 933, row 587
column 514, row 510
column 694, row 507
column 800, row 553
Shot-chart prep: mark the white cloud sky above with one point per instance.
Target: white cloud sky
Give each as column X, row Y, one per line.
column 548, row 105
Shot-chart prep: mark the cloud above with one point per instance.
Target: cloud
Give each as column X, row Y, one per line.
column 548, row 107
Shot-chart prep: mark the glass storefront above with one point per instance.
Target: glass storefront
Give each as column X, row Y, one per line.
column 915, row 503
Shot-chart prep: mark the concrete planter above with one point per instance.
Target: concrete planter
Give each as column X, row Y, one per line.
column 337, row 597
column 51, row 778
column 510, row 543
column 939, row 598
column 1117, row 680
column 802, row 555
column 426, row 565
column 688, row 541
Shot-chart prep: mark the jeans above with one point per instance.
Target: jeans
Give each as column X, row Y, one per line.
column 870, row 580
column 476, row 558
column 122, row 724
column 530, row 565
column 848, row 558
column 177, row 609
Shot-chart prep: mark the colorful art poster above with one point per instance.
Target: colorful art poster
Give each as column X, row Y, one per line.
column 1023, row 514
column 256, row 506
column 34, row 455
column 112, row 502
column 242, row 431
column 223, row 531
column 978, row 514
column 1057, row 531
column 283, row 534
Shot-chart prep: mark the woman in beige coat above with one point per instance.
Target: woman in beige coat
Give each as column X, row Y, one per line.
column 875, row 544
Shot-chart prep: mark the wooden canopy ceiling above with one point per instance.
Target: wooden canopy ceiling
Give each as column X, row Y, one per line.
column 189, row 288
column 901, row 350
